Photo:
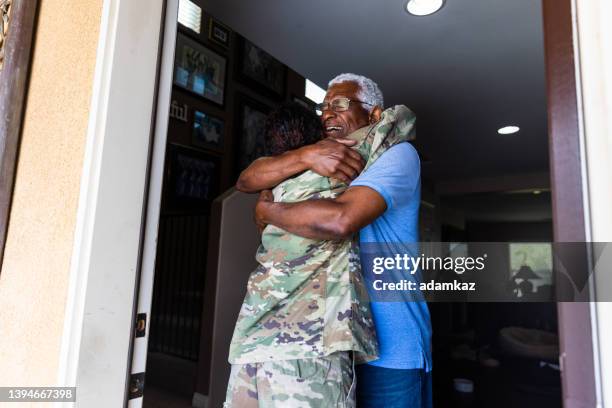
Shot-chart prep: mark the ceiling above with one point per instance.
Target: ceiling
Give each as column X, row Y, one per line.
column 474, row 66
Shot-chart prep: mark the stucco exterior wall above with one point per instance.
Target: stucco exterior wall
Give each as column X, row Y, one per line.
column 35, row 271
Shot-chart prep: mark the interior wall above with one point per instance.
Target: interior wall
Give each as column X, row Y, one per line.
column 478, row 324
column 34, row 278
column 231, row 264
column 180, row 132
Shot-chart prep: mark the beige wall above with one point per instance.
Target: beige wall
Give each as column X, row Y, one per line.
column 34, row 277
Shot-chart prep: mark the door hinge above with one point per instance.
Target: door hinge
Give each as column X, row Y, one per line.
column 140, row 326
column 137, row 381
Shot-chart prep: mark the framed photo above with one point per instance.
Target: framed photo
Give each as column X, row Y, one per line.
column 218, row 33
column 260, row 69
column 207, row 131
column 199, row 69
column 251, row 116
column 193, row 179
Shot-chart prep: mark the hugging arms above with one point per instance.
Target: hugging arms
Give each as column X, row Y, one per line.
column 318, row 219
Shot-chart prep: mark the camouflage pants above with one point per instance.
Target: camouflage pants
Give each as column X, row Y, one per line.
column 326, row 382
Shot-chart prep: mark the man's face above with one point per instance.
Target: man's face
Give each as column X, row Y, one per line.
column 341, row 124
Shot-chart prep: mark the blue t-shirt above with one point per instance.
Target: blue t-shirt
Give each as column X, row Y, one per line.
column 403, row 328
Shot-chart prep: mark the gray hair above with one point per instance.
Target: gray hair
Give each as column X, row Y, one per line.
column 369, row 92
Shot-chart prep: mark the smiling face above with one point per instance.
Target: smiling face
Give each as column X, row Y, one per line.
column 341, row 124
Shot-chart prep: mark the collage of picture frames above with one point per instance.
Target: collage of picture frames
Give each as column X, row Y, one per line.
column 223, row 88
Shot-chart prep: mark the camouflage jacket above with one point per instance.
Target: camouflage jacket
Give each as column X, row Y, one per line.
column 307, row 297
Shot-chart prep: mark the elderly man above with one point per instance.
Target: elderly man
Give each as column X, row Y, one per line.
column 382, row 204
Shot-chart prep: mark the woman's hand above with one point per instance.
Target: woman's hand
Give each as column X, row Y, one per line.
column 263, row 202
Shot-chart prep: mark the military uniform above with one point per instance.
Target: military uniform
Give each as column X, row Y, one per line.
column 307, row 300
column 325, row 382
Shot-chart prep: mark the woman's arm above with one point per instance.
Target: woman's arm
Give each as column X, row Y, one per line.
column 268, row 172
column 329, row 158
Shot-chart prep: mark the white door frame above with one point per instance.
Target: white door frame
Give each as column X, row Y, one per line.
column 97, row 338
column 593, row 44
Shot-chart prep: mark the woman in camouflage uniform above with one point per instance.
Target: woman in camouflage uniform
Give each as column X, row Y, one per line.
column 306, row 317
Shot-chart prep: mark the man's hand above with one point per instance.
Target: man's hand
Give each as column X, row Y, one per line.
column 333, row 158
column 265, row 198
column 329, row 158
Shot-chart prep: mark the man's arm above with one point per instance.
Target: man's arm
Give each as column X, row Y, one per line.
column 323, row 219
column 391, row 181
column 329, row 158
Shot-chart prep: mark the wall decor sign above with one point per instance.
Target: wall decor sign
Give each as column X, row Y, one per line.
column 218, row 33
column 193, row 180
column 250, row 139
column 178, row 111
column 261, row 69
column 207, row 131
column 199, row 69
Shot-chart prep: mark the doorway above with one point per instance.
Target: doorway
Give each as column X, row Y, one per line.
column 462, row 170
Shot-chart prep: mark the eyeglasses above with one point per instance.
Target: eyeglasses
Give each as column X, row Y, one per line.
column 337, row 105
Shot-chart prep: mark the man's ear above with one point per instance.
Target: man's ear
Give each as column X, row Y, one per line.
column 375, row 114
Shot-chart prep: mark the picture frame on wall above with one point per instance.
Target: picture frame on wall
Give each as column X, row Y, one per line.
column 260, row 69
column 251, row 117
column 219, row 33
column 200, row 70
column 193, row 179
column 207, row 131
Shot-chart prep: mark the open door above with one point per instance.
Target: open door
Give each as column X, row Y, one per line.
column 149, row 245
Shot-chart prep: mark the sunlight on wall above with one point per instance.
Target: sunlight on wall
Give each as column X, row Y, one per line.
column 314, row 92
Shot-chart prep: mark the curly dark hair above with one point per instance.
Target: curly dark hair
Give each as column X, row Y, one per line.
column 289, row 127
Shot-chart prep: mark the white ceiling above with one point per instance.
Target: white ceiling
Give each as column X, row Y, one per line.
column 473, row 67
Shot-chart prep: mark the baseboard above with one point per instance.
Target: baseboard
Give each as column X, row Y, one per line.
column 199, row 400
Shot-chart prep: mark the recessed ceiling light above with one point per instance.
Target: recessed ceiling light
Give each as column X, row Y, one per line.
column 423, row 7
column 508, row 130
column 536, row 192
